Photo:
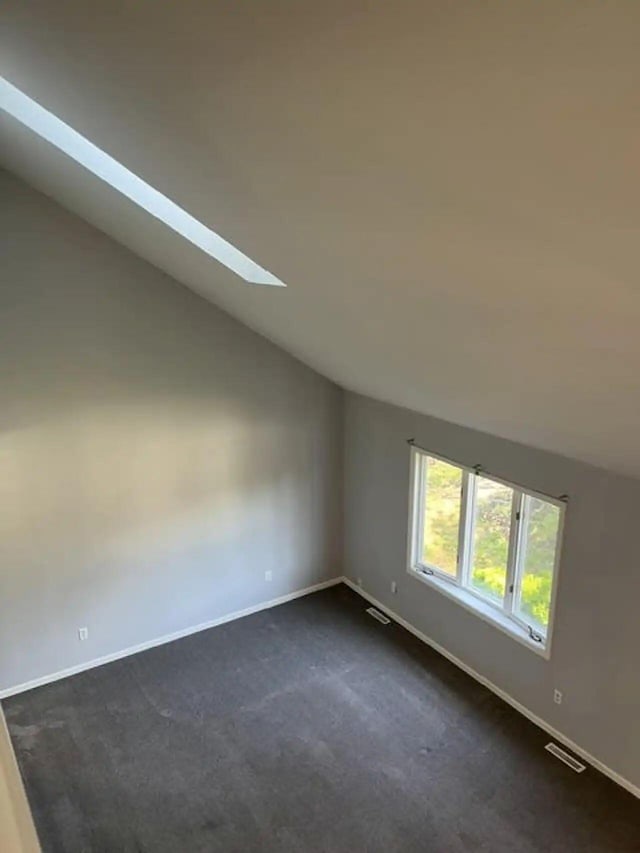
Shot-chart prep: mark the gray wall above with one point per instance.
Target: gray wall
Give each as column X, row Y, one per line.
column 156, row 456
column 595, row 654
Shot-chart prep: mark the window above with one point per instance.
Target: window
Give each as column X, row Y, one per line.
column 491, row 545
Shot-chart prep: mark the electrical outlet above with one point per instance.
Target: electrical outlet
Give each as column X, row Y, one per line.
column 359, row 581
column 83, row 633
column 268, row 576
column 394, row 587
column 557, row 697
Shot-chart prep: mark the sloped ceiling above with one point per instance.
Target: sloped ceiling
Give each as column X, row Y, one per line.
column 450, row 190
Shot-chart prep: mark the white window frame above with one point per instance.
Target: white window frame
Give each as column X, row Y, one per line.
column 502, row 616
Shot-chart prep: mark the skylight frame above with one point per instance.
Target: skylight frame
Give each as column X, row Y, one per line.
column 56, row 132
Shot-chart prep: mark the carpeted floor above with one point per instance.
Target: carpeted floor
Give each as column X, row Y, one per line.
column 305, row 728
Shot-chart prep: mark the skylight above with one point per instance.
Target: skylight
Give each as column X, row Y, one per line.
column 74, row 145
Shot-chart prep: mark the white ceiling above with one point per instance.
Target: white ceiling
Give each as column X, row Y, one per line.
column 450, row 190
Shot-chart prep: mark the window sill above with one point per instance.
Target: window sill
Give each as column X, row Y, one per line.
column 484, row 610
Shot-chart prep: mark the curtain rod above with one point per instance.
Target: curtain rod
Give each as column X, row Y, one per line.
column 479, row 469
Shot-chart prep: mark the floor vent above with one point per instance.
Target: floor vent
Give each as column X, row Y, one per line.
column 377, row 615
column 572, row 762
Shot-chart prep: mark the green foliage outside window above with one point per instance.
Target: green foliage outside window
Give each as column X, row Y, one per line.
column 442, row 514
column 493, row 519
column 542, row 535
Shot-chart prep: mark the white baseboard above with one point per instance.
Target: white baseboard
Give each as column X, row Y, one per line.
column 590, row 759
column 167, row 638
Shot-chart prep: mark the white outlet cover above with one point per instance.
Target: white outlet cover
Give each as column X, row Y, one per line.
column 83, row 633
column 268, row 576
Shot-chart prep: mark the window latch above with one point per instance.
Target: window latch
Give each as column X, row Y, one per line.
column 537, row 638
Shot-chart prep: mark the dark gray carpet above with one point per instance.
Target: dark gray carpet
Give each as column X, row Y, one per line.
column 309, row 727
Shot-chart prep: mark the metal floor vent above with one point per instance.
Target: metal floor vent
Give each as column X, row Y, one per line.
column 572, row 762
column 377, row 615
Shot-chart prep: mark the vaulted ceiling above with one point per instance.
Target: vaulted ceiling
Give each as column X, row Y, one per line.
column 450, row 190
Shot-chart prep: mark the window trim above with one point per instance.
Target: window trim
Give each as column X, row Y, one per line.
column 505, row 616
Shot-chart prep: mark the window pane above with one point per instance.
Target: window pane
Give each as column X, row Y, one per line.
column 492, row 523
column 442, row 502
column 539, row 542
